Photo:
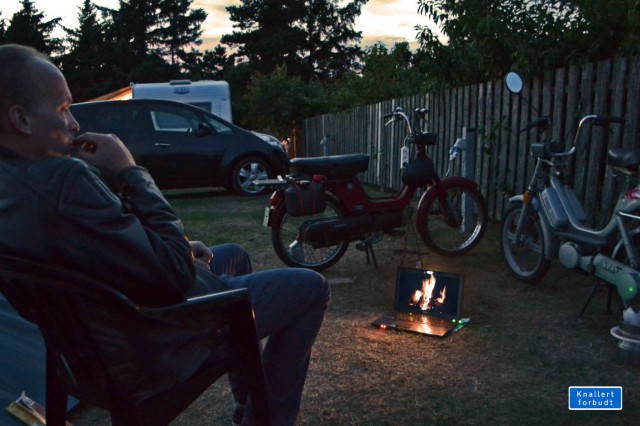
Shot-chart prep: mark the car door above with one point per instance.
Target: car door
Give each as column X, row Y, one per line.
column 184, row 147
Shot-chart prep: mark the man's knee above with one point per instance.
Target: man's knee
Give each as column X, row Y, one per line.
column 228, row 249
column 318, row 285
column 230, row 259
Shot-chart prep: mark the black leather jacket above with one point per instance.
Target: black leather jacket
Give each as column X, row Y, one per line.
column 60, row 211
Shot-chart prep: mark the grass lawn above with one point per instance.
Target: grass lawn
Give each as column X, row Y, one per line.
column 512, row 365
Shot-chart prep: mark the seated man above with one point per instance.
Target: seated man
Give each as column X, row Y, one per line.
column 82, row 203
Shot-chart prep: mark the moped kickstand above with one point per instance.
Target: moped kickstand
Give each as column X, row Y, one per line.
column 599, row 285
column 366, row 245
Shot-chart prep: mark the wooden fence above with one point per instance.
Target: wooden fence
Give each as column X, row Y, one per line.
column 503, row 166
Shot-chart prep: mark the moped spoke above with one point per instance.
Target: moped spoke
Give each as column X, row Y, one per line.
column 529, row 243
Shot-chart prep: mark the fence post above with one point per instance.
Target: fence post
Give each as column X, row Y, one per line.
column 469, row 157
column 324, row 145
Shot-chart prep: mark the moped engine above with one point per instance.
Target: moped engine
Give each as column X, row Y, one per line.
column 328, row 232
column 623, row 277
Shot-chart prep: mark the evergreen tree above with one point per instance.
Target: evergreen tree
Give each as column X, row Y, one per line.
column 159, row 29
column 208, row 65
column 331, row 44
column 28, row 27
column 177, row 28
column 136, row 60
column 314, row 39
column 88, row 63
column 3, row 29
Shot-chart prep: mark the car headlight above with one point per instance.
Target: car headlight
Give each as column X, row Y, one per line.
column 271, row 140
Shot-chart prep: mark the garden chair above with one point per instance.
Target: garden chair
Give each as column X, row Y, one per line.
column 110, row 352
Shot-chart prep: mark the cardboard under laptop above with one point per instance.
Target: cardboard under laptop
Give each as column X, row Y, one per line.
column 426, row 302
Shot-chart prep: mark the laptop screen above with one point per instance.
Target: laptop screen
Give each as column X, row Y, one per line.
column 429, row 292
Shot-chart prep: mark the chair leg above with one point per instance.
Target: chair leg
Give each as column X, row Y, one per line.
column 245, row 340
column 56, row 398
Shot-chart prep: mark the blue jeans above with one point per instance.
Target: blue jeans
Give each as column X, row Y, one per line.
column 289, row 306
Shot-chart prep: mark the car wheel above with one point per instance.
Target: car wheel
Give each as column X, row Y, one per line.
column 246, row 172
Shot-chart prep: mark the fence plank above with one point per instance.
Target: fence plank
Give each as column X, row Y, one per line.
column 612, row 185
column 582, row 154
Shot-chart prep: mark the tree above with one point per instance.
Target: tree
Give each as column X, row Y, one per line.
column 276, row 101
column 160, row 27
column 330, row 47
column 150, row 32
column 3, row 29
column 90, row 55
column 608, row 28
column 177, row 27
column 483, row 39
column 28, row 27
column 208, row 65
column 314, row 39
column 386, row 74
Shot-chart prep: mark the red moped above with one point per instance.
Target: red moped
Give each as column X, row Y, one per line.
column 321, row 206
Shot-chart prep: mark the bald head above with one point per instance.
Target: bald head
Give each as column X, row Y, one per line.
column 19, row 83
column 35, row 119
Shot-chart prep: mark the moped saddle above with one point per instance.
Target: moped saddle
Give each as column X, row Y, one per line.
column 623, row 158
column 333, row 166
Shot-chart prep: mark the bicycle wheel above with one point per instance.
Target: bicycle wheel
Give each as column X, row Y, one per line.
column 525, row 258
column 292, row 250
column 453, row 218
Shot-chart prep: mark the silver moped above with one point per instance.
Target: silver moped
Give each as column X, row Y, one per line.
column 548, row 222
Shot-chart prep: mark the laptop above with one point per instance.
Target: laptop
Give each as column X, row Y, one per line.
column 426, row 302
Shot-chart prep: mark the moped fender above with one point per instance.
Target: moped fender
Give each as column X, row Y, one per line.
column 275, row 208
column 551, row 245
column 624, row 278
column 433, row 191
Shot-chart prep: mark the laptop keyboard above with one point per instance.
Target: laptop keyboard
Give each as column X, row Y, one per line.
column 423, row 319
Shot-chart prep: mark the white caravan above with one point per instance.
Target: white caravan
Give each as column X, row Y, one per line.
column 212, row 96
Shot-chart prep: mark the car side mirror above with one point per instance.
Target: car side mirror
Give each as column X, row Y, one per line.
column 203, row 130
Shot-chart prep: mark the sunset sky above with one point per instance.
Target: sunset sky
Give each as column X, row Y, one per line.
column 388, row 21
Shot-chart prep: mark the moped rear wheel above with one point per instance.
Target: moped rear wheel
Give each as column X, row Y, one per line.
column 525, row 258
column 294, row 251
column 455, row 219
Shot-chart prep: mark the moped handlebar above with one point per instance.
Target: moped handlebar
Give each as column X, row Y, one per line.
column 399, row 114
column 553, row 149
column 601, row 120
column 598, row 120
column 542, row 122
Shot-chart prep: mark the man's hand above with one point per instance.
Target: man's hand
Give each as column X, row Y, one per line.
column 105, row 152
column 201, row 253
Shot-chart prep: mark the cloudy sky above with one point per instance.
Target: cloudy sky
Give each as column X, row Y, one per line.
column 388, row 21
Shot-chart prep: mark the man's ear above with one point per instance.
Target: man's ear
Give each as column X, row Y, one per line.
column 19, row 119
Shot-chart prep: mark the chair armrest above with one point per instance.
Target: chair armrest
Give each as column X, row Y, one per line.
column 200, row 303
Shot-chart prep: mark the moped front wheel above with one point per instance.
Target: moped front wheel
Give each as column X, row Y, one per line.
column 523, row 253
column 293, row 250
column 452, row 219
